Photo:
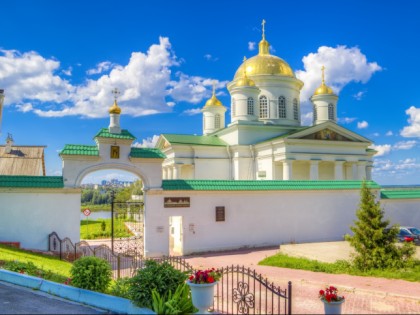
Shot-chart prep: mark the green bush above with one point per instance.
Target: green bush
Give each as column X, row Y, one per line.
column 178, row 303
column 120, row 288
column 91, row 273
column 160, row 276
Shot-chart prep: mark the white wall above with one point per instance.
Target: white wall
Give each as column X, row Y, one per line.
column 405, row 212
column 29, row 215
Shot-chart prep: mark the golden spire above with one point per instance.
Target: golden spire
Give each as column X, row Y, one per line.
column 115, row 109
column 263, row 46
column 323, row 88
column 213, row 101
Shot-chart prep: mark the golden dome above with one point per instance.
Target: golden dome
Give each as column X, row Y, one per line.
column 244, row 80
column 323, row 88
column 115, row 109
column 213, row 101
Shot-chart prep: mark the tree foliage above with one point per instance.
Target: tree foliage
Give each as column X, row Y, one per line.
column 376, row 247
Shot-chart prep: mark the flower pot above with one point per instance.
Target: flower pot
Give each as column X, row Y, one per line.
column 202, row 296
column 333, row 307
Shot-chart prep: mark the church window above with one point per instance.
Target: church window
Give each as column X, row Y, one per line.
column 282, row 107
column 217, row 121
column 263, row 107
column 233, row 107
column 315, row 115
column 295, row 109
column 250, row 106
column 330, row 111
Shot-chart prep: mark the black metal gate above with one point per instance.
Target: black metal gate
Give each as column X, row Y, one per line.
column 127, row 228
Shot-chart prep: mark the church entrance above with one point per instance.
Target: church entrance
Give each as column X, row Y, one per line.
column 175, row 236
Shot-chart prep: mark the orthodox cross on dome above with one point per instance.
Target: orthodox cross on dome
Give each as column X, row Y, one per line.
column 116, row 93
column 323, row 77
column 263, row 28
column 214, row 87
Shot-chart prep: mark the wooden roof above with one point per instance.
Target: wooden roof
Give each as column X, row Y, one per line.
column 22, row 160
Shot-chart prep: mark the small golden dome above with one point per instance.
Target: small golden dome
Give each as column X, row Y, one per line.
column 245, row 81
column 213, row 100
column 323, row 88
column 115, row 109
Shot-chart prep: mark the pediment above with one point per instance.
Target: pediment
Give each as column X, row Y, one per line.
column 327, row 134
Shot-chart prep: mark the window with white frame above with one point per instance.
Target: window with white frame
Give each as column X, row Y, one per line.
column 295, row 109
column 217, row 121
column 282, row 107
column 315, row 115
column 330, row 111
column 263, row 107
column 250, row 106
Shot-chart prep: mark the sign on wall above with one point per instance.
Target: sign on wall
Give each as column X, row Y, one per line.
column 176, row 202
column 220, row 214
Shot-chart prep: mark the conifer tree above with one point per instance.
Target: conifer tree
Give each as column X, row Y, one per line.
column 374, row 245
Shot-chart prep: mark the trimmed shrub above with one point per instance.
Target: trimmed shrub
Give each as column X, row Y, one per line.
column 159, row 276
column 91, row 273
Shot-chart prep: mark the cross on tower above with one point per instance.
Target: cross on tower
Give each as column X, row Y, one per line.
column 214, row 87
column 323, row 78
column 116, row 93
column 263, row 28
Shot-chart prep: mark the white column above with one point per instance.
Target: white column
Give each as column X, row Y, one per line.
column 338, row 170
column 361, row 170
column 369, row 172
column 176, row 170
column 287, row 169
column 164, row 173
column 169, row 172
column 354, row 171
column 313, row 174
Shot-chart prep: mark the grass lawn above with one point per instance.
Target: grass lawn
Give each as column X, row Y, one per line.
column 340, row 267
column 94, row 208
column 49, row 267
column 93, row 229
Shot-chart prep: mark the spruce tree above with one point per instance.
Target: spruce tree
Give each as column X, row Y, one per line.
column 376, row 247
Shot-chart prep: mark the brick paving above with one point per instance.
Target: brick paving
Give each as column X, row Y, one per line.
column 364, row 295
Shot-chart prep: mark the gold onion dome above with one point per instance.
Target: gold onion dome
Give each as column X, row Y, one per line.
column 115, row 109
column 244, row 80
column 264, row 63
column 323, row 88
column 213, row 100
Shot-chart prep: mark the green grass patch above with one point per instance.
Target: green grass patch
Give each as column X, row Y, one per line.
column 34, row 264
column 95, row 208
column 101, row 228
column 411, row 273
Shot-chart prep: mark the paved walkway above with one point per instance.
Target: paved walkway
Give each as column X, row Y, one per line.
column 364, row 295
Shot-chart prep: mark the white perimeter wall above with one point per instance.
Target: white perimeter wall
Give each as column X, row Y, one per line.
column 404, row 212
column 29, row 215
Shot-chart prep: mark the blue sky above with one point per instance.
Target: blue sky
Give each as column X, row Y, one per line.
column 59, row 61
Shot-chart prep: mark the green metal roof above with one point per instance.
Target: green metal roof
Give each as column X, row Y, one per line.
column 77, row 149
column 147, row 153
column 31, row 181
column 125, row 134
column 400, row 194
column 237, row 185
column 196, row 140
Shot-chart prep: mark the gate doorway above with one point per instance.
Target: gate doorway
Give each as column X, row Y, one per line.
column 175, row 236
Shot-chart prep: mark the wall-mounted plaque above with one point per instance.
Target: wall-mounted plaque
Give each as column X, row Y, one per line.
column 115, row 152
column 220, row 214
column 176, row 202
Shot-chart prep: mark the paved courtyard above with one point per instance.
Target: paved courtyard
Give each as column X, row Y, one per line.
column 364, row 295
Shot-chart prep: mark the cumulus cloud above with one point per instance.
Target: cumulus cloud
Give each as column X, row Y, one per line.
column 101, row 67
column 149, row 142
column 413, row 130
column 404, row 145
column 67, row 71
column 210, row 57
column 401, row 167
column 383, row 149
column 362, row 124
column 192, row 111
column 307, row 119
column 252, row 46
column 342, row 65
column 346, row 120
column 359, row 95
column 389, row 133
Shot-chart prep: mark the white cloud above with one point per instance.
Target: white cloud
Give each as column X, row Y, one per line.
column 362, row 124
column 342, row 66
column 68, row 71
column 149, row 142
column 389, row 133
column 210, row 57
column 101, row 67
column 307, row 119
column 413, row 130
column 24, row 108
column 252, row 46
column 359, row 95
column 192, row 112
column 400, row 168
column 376, row 134
column 383, row 149
column 404, row 145
column 347, row 120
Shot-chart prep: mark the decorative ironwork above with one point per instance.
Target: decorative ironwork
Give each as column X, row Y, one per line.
column 243, row 298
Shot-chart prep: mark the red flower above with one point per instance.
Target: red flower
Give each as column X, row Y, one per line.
column 191, row 277
column 210, row 279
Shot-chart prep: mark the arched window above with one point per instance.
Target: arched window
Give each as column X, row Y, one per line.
column 330, row 111
column 263, row 107
column 233, row 107
column 250, row 106
column 217, row 121
column 295, row 109
column 282, row 107
column 315, row 115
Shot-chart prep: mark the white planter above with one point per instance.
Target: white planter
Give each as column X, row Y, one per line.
column 333, row 307
column 202, row 296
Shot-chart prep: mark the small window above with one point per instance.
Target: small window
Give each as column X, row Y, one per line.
column 263, row 107
column 330, row 111
column 217, row 121
column 233, row 107
column 295, row 109
column 250, row 106
column 315, row 115
column 282, row 107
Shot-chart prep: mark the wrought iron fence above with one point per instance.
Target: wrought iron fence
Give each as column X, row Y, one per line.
column 240, row 291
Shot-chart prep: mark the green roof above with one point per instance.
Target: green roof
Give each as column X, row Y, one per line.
column 237, row 185
column 197, row 140
column 77, row 149
column 147, row 153
column 31, row 181
column 125, row 134
column 400, row 194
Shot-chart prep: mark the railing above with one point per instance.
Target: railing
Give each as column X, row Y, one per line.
column 240, row 290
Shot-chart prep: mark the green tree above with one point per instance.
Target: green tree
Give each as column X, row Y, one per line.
column 376, row 247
